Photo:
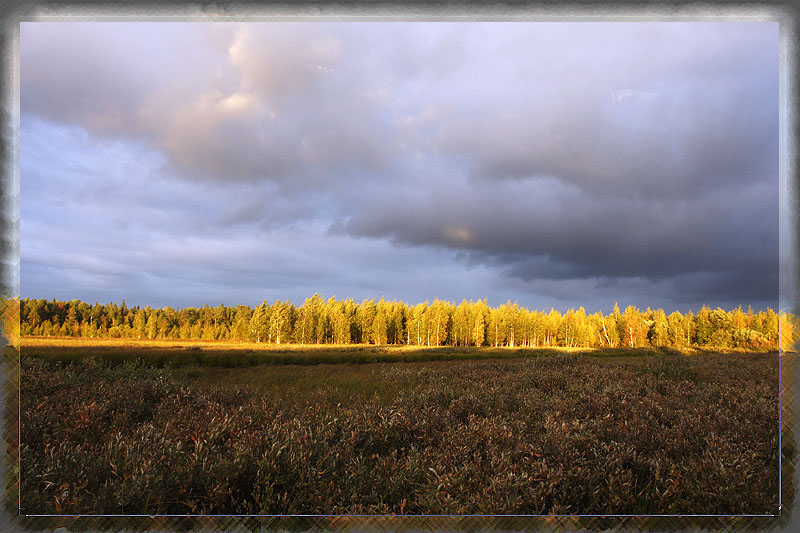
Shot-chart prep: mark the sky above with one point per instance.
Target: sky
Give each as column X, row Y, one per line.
column 553, row 164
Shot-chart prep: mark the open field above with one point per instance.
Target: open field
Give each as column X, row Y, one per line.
column 171, row 353
column 561, row 433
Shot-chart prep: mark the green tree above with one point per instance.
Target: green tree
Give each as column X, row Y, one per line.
column 418, row 326
column 676, row 336
column 241, row 325
column 365, row 316
column 478, row 326
column 461, row 325
column 659, row 329
column 439, row 321
column 703, row 326
column 280, row 322
column 552, row 322
column 510, row 323
column 770, row 326
column 565, row 335
column 260, row 322
column 379, row 327
column 139, row 323
column 341, row 323
column 152, row 325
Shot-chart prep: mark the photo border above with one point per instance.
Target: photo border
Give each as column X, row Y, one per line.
column 88, row 10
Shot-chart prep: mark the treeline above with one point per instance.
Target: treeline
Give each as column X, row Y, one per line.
column 441, row 323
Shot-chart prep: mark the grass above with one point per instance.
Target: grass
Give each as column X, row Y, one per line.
column 342, row 383
column 175, row 354
column 657, row 433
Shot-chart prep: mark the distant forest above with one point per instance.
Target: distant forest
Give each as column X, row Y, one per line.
column 470, row 323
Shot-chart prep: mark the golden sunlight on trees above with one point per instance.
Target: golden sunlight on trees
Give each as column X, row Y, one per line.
column 441, row 323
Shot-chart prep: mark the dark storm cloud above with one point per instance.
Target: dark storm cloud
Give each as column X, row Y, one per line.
column 657, row 160
column 522, row 223
column 558, row 162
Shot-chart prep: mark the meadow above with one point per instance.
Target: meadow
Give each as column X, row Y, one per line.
column 230, row 354
column 147, row 429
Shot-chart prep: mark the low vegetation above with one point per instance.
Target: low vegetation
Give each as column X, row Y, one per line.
column 558, row 434
column 176, row 354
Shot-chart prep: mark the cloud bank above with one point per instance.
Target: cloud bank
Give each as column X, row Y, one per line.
column 558, row 164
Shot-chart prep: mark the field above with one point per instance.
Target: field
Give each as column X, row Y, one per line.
column 228, row 354
column 191, row 429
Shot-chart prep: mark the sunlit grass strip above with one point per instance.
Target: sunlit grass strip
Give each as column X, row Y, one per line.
column 310, row 355
column 173, row 355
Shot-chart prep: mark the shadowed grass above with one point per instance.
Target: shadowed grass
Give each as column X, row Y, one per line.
column 541, row 435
